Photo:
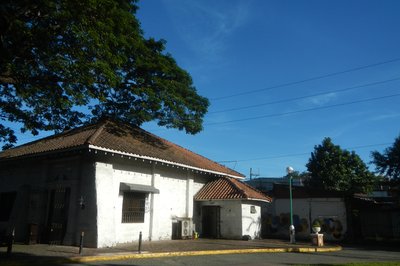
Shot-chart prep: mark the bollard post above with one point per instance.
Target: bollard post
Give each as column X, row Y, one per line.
column 140, row 242
column 81, row 243
column 10, row 242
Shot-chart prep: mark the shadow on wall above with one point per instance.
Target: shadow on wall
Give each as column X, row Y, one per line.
column 253, row 227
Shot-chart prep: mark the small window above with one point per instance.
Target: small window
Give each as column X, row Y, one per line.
column 133, row 207
column 253, row 209
column 6, row 205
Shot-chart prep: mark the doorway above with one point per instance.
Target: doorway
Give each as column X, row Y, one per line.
column 58, row 215
column 211, row 221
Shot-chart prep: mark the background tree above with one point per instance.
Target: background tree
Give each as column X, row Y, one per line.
column 303, row 176
column 388, row 163
column 333, row 168
column 66, row 62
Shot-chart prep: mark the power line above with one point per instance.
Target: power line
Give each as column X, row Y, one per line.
column 305, row 97
column 304, row 110
column 307, row 79
column 301, row 154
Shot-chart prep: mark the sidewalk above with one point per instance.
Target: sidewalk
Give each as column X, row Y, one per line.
column 24, row 254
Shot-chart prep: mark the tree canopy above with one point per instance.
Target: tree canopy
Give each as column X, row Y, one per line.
column 333, row 168
column 388, row 162
column 67, row 62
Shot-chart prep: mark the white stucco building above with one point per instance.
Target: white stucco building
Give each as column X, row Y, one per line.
column 112, row 182
column 230, row 209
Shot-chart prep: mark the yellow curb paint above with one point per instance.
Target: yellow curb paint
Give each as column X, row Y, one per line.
column 201, row 253
column 319, row 249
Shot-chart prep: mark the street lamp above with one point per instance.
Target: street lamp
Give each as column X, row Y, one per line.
column 289, row 171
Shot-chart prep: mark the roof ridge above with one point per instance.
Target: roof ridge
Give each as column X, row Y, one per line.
column 236, row 186
column 91, row 139
column 228, row 188
column 248, row 186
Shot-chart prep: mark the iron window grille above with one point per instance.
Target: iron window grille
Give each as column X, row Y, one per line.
column 133, row 207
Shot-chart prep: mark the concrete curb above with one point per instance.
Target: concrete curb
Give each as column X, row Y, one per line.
column 201, row 253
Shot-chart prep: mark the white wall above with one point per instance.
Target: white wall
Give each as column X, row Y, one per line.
column 171, row 203
column 236, row 219
column 251, row 222
column 107, row 204
column 175, row 200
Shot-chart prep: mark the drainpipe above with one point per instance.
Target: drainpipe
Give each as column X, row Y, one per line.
column 187, row 194
column 152, row 202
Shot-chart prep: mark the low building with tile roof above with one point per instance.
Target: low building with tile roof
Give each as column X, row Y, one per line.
column 113, row 181
column 231, row 209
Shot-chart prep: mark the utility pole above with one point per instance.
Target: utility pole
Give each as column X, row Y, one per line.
column 252, row 174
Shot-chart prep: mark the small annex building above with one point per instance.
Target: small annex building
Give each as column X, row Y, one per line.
column 230, row 209
column 113, row 181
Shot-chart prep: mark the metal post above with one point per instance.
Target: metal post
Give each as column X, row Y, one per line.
column 291, row 228
column 10, row 242
column 81, row 243
column 291, row 200
column 140, row 243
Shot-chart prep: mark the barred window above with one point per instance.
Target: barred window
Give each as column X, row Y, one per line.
column 133, row 207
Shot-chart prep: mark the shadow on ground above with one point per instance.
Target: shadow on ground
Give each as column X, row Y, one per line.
column 20, row 259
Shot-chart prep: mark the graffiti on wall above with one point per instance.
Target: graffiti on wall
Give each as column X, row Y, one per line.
column 331, row 226
column 279, row 224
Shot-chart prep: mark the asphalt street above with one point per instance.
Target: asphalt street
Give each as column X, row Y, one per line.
column 347, row 255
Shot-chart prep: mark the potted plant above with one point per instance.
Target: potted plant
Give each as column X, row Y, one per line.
column 316, row 227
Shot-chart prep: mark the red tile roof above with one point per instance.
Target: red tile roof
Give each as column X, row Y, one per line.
column 224, row 188
column 119, row 138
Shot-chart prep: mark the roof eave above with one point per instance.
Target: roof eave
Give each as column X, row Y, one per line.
column 251, row 199
column 164, row 161
column 263, row 200
column 44, row 153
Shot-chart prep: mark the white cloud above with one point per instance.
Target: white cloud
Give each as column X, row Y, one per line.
column 322, row 99
column 385, row 116
column 205, row 26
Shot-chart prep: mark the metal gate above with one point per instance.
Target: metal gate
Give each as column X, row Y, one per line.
column 58, row 215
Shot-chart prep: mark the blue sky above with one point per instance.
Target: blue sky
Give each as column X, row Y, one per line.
column 250, row 48
column 295, row 71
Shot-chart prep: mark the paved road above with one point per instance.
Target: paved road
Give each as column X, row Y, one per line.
column 345, row 256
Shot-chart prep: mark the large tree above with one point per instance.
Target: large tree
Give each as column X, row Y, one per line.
column 66, row 62
column 333, row 168
column 388, row 162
